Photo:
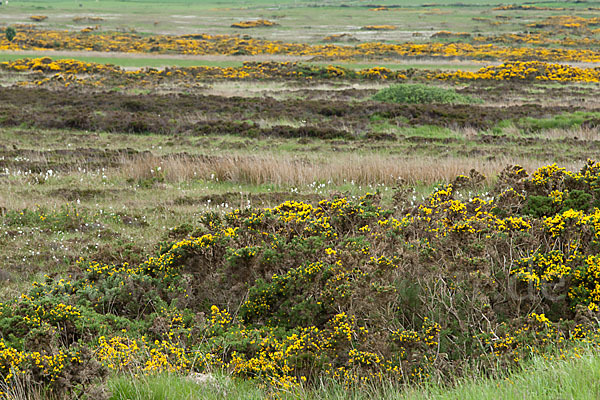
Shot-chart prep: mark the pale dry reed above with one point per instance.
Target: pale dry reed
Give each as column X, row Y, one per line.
column 341, row 169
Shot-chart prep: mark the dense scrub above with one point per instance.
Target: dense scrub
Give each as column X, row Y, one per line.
column 342, row 288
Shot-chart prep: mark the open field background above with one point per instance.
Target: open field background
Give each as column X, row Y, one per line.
column 303, row 21
column 310, row 22
column 189, row 207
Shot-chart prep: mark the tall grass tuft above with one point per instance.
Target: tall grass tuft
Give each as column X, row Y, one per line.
column 339, row 170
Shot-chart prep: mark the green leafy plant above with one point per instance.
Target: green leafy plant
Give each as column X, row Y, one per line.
column 10, row 33
column 422, row 94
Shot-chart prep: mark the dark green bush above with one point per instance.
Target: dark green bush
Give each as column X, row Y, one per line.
column 540, row 206
column 10, row 33
column 578, row 200
column 422, row 94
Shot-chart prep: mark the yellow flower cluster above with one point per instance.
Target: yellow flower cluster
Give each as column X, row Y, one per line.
column 43, row 40
column 14, row 362
column 542, row 268
column 381, row 73
column 448, row 34
column 572, row 220
column 526, row 7
column 442, row 215
column 535, row 329
column 68, row 72
column 587, row 287
column 167, row 356
column 280, row 360
column 96, row 269
column 219, row 317
column 118, row 352
column 49, row 65
column 167, row 262
column 540, row 39
column 580, row 271
column 45, row 316
column 531, row 71
column 379, row 27
column 547, row 175
column 253, row 24
column 566, row 21
column 277, row 360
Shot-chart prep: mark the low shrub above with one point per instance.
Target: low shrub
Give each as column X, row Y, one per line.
column 253, row 24
column 38, row 18
column 422, row 94
column 342, row 289
column 10, row 33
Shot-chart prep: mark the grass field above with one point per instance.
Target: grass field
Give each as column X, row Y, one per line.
column 408, row 213
column 127, row 61
column 301, row 21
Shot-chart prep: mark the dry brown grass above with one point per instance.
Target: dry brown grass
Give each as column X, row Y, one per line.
column 286, row 171
column 11, row 197
column 20, row 387
column 581, row 133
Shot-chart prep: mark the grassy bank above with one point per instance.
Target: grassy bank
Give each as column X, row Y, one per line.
column 575, row 378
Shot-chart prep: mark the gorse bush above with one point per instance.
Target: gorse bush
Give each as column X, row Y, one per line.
column 422, row 94
column 224, row 44
column 343, row 289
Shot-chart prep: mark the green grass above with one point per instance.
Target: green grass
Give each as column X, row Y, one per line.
column 279, row 3
column 541, row 379
column 166, row 386
column 564, row 121
column 168, row 61
column 538, row 126
column 127, row 61
column 576, row 378
column 424, row 131
column 300, row 21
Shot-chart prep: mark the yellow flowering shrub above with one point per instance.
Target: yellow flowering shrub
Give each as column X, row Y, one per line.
column 340, row 288
column 527, row 71
column 379, row 27
column 253, row 24
column 31, row 38
column 38, row 18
